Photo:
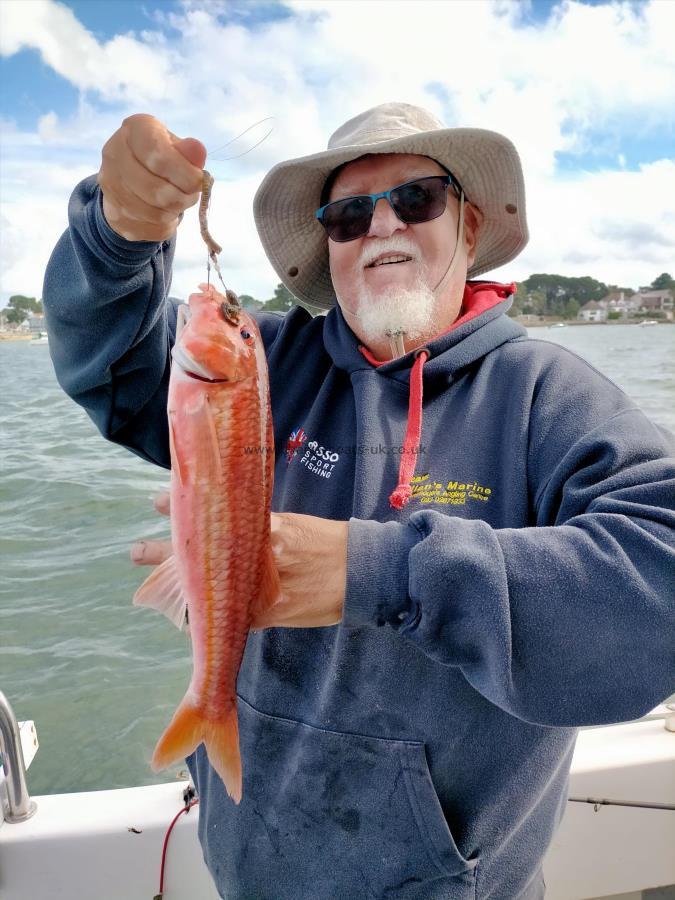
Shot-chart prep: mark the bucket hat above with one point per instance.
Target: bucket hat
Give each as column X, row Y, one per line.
column 485, row 163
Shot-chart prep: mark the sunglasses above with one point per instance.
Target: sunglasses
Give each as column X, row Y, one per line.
column 415, row 201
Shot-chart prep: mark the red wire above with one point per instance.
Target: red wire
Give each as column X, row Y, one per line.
column 166, row 842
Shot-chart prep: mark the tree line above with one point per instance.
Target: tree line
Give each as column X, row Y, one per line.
column 540, row 295
column 19, row 308
column 558, row 295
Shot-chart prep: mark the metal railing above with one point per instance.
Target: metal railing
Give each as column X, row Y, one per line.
column 19, row 805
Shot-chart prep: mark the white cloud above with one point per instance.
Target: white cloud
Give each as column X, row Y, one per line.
column 122, row 68
column 617, row 226
column 553, row 89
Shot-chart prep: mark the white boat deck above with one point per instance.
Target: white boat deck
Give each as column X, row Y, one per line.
column 108, row 844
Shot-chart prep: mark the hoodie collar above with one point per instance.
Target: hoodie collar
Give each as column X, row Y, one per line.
column 465, row 341
column 483, row 305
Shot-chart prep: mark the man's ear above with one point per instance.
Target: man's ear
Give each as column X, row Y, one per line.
column 473, row 219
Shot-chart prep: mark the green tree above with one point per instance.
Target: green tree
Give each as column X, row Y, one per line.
column 282, row 300
column 518, row 300
column 572, row 308
column 21, row 307
column 616, row 289
column 558, row 289
column 249, row 302
column 664, row 282
column 534, row 303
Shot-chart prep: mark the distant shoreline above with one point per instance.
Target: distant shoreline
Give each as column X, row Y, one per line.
column 6, row 336
column 574, row 324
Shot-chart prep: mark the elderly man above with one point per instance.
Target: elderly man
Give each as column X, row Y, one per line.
column 481, row 525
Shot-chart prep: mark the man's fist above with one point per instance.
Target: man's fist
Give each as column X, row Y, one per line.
column 149, row 177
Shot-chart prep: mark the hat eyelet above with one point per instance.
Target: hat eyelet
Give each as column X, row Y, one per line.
column 511, row 208
column 293, row 271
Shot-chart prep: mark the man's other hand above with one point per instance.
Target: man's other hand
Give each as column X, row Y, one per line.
column 311, row 557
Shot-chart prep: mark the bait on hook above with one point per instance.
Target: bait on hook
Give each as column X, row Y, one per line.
column 231, row 307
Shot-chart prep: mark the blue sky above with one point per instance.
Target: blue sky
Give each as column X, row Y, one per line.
column 593, row 119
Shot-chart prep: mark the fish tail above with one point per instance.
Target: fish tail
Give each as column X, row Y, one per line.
column 188, row 729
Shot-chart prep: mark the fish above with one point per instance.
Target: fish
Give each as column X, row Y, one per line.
column 222, row 571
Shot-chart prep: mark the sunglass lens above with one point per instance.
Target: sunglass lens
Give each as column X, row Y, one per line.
column 420, row 201
column 348, row 219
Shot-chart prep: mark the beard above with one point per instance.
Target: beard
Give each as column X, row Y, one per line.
column 396, row 310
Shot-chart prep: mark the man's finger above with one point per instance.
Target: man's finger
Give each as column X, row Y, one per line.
column 162, row 503
column 150, row 553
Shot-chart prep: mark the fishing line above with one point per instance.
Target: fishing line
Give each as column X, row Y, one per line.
column 238, row 155
column 165, row 311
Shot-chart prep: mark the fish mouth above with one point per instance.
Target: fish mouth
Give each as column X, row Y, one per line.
column 196, row 377
column 192, row 368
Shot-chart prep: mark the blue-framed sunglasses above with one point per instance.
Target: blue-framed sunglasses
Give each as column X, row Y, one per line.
column 415, row 201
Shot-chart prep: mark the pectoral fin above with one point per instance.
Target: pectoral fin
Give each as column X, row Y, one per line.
column 197, row 419
column 162, row 591
column 270, row 588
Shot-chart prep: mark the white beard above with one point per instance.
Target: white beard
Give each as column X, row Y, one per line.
column 395, row 310
column 408, row 312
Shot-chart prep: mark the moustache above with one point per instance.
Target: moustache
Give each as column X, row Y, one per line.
column 389, row 245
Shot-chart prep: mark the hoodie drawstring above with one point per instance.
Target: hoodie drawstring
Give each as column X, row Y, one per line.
column 403, row 490
column 411, row 443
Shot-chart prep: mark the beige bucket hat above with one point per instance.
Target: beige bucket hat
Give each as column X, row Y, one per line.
column 485, row 163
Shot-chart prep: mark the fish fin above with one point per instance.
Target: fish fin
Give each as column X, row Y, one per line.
column 162, row 591
column 188, row 729
column 270, row 587
column 206, row 452
column 222, row 748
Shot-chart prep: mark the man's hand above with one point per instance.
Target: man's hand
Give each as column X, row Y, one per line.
column 149, row 177
column 311, row 557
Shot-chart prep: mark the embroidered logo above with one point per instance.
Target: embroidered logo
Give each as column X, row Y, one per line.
column 295, row 441
column 319, row 460
column 316, row 459
column 454, row 493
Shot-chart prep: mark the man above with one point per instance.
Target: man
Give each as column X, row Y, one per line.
column 481, row 530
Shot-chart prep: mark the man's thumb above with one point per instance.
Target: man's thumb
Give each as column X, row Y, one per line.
column 193, row 150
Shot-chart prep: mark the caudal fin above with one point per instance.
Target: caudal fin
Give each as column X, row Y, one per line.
column 188, row 729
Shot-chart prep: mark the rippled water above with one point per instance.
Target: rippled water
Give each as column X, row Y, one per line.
column 100, row 677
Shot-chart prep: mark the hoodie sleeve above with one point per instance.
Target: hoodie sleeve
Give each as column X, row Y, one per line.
column 570, row 622
column 111, row 325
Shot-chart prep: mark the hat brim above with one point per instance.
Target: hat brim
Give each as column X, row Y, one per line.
column 485, row 163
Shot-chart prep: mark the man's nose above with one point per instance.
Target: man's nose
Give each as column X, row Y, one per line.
column 385, row 221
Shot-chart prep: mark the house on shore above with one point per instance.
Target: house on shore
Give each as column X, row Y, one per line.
column 656, row 301
column 636, row 305
column 36, row 323
column 592, row 312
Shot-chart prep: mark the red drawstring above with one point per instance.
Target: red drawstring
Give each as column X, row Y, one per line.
column 411, row 444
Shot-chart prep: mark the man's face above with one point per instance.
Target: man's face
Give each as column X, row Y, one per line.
column 378, row 298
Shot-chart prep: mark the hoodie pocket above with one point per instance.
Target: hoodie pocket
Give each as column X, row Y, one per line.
column 327, row 814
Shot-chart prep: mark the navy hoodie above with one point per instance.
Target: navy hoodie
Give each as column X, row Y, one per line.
column 421, row 748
